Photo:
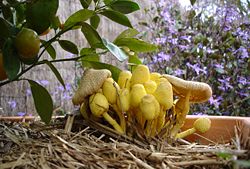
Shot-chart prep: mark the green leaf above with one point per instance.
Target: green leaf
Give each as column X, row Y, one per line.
column 128, row 33
column 85, row 3
column 43, row 101
column 136, row 45
column 51, row 51
column 92, row 36
column 108, row 2
column 55, row 71
column 117, row 17
column 124, row 6
column 10, row 59
column 5, row 31
column 115, row 50
column 69, row 46
column 20, row 13
column 78, row 17
column 87, row 51
column 94, row 21
column 98, row 65
column 134, row 59
column 39, row 14
column 55, row 22
column 192, row 2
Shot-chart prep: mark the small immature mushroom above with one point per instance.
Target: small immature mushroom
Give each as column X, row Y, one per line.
column 150, row 86
column 200, row 92
column 164, row 94
column 136, row 93
column 140, row 75
column 110, row 90
column 91, row 82
column 149, row 107
column 123, row 100
column 155, row 77
column 124, row 79
column 202, row 125
column 99, row 106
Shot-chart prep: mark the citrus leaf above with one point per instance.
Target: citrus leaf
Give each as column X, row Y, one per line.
column 7, row 13
column 55, row 71
column 79, row 16
column 117, row 17
column 92, row 36
column 134, row 59
column 5, row 31
column 136, row 44
column 115, row 50
column 98, row 65
column 43, row 101
column 128, row 33
column 69, row 46
column 39, row 14
column 94, row 21
column 51, row 51
column 87, row 51
column 124, row 6
column 85, row 3
column 10, row 59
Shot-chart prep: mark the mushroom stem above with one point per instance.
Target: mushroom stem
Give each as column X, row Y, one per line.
column 121, row 117
column 111, row 121
column 202, row 125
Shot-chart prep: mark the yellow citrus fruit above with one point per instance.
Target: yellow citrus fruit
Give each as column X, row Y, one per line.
column 3, row 74
column 27, row 43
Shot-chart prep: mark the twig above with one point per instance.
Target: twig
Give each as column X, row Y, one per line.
column 140, row 162
column 197, row 162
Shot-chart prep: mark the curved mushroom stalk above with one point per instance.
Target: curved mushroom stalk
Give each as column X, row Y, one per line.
column 202, row 125
column 99, row 106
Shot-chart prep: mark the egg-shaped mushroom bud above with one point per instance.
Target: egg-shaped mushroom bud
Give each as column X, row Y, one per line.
column 155, row 77
column 124, row 79
column 140, row 75
column 99, row 106
column 136, row 93
column 202, row 125
column 164, row 94
column 123, row 100
column 150, row 86
column 148, row 107
column 110, row 90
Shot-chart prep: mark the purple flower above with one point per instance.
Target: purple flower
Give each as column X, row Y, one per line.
column 12, row 104
column 21, row 113
column 225, row 84
column 163, row 56
column 60, row 88
column 196, row 68
column 242, row 80
column 179, row 72
column 160, row 40
column 187, row 38
column 215, row 101
column 66, row 96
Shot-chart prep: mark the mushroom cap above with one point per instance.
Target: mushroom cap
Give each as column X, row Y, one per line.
column 200, row 92
column 202, row 124
column 91, row 81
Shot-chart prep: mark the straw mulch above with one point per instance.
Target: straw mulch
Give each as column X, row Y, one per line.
column 67, row 143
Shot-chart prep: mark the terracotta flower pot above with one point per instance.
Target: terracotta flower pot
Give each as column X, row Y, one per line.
column 223, row 129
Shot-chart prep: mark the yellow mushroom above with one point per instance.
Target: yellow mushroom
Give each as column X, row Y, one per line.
column 123, row 100
column 99, row 106
column 124, row 79
column 136, row 93
column 149, row 107
column 200, row 92
column 202, row 125
column 164, row 94
column 110, row 90
column 150, row 86
column 155, row 77
column 90, row 83
column 140, row 75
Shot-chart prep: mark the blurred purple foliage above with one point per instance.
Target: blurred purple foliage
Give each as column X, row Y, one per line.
column 207, row 42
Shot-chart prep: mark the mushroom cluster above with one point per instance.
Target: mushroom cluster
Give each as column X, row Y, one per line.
column 155, row 104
